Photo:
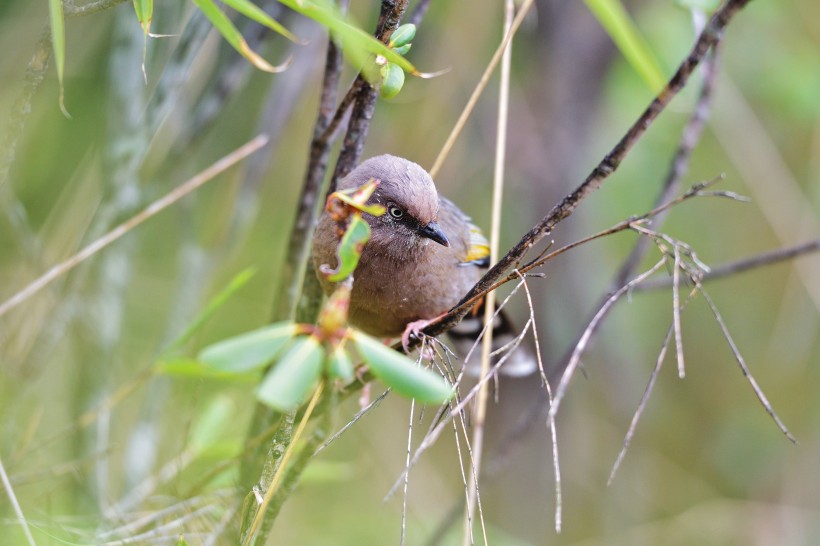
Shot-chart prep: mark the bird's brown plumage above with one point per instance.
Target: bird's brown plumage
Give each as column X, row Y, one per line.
column 416, row 266
column 402, row 276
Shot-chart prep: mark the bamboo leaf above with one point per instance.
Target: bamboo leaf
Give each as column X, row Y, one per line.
column 400, row 373
column 252, row 11
column 212, row 307
column 340, row 365
column 293, row 377
column 145, row 12
column 612, row 15
column 357, row 44
column 225, row 27
column 250, row 350
column 350, row 249
column 188, row 368
column 55, row 8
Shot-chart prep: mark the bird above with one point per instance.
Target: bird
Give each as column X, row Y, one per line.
column 424, row 254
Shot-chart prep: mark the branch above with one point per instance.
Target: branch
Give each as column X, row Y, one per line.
column 753, row 262
column 710, row 36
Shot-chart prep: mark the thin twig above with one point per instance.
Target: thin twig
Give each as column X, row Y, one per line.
column 479, row 88
column 744, row 368
column 746, row 264
column 489, row 303
column 633, row 425
column 710, row 36
column 280, row 471
column 556, row 467
column 676, row 310
column 575, row 359
column 151, row 210
column 18, row 511
column 407, row 468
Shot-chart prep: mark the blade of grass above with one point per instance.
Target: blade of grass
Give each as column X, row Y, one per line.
column 252, row 11
column 55, row 8
column 612, row 15
column 232, row 35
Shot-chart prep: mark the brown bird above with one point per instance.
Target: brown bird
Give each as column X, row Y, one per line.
column 424, row 254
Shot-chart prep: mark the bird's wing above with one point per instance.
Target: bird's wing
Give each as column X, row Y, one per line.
column 470, row 243
column 479, row 253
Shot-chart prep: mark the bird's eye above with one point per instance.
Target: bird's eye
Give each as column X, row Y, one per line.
column 395, row 211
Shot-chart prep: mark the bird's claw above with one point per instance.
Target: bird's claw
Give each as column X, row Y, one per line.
column 413, row 329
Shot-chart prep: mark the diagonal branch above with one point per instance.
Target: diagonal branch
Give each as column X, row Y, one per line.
column 710, row 36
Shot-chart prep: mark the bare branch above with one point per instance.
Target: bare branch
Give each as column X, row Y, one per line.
column 710, row 36
column 575, row 359
column 746, row 264
column 744, row 368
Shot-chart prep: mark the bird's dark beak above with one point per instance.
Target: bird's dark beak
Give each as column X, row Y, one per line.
column 433, row 232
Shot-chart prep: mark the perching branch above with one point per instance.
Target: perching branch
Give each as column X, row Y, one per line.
column 710, row 36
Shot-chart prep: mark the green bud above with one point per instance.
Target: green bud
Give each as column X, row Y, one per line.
column 402, row 35
column 392, row 80
column 403, row 49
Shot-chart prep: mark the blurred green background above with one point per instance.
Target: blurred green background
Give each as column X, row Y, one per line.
column 93, row 441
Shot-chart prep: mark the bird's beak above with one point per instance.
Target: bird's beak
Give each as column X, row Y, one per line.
column 433, row 232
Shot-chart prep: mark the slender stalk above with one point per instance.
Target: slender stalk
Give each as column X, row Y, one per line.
column 277, row 478
column 150, row 211
column 489, row 303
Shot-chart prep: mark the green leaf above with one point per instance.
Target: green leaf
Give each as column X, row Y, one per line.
column 350, row 249
column 209, row 424
column 403, row 49
column 55, row 8
column 400, row 373
column 225, row 27
column 145, row 12
column 293, row 377
column 188, row 368
column 402, row 36
column 392, row 81
column 250, row 350
column 212, row 307
column 252, row 11
column 357, row 44
column 340, row 365
column 615, row 19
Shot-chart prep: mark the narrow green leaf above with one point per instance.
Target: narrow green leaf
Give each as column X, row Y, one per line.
column 400, row 373
column 55, row 8
column 188, row 368
column 252, row 11
column 340, row 365
column 293, row 377
column 225, row 27
column 350, row 249
column 615, row 19
column 356, row 42
column 210, row 423
column 145, row 12
column 250, row 350
column 240, row 280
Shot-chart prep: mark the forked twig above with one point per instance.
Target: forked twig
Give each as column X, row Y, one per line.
column 575, row 359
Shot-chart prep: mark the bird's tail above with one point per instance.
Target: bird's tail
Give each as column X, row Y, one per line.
column 523, row 360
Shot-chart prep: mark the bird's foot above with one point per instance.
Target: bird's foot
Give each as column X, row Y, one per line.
column 413, row 329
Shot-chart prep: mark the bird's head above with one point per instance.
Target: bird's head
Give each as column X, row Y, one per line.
column 411, row 201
